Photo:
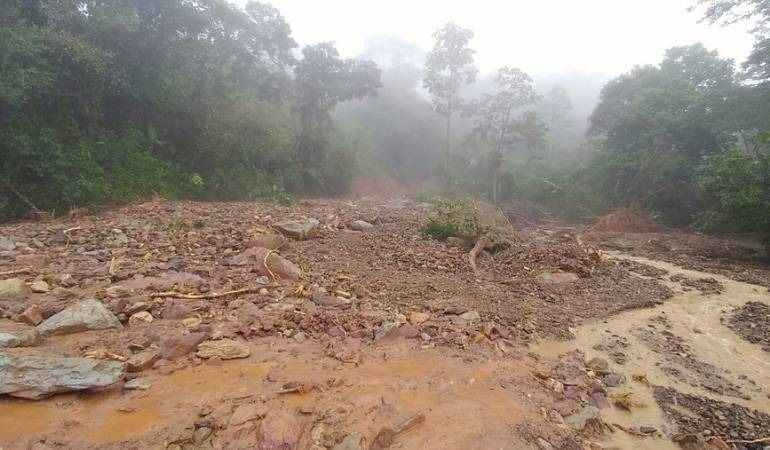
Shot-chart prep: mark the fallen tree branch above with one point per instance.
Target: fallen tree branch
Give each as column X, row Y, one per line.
column 742, row 441
column 174, row 294
column 16, row 271
column 482, row 242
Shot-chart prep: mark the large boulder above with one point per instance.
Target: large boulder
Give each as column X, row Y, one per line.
column 87, row 315
column 298, row 229
column 36, row 377
column 14, row 289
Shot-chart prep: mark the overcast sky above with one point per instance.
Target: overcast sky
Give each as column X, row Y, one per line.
column 539, row 36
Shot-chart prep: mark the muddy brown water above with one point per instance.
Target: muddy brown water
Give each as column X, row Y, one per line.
column 693, row 317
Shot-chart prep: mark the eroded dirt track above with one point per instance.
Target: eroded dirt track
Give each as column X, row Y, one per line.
column 376, row 328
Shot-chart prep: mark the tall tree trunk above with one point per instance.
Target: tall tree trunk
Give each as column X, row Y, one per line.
column 495, row 182
column 448, row 143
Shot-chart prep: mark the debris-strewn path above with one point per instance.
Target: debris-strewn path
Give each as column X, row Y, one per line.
column 327, row 325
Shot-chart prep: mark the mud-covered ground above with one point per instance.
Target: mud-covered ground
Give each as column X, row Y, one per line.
column 377, row 336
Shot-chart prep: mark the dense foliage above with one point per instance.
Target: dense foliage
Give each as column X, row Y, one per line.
column 108, row 101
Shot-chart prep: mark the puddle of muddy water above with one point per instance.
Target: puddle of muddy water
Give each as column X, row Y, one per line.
column 693, row 317
column 452, row 394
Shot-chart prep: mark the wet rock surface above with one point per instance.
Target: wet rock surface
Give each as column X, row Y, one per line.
column 752, row 322
column 36, row 377
column 84, row 316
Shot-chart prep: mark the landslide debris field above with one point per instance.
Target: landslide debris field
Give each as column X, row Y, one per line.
column 340, row 325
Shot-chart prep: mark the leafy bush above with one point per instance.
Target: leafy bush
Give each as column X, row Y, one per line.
column 453, row 218
column 735, row 185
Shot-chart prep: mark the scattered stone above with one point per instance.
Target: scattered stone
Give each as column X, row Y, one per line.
column 25, row 338
column 176, row 346
column 408, row 331
column 361, row 225
column 556, row 277
column 543, row 444
column 176, row 310
column 614, row 379
column 6, row 244
column 14, row 289
column 300, row 337
column 578, row 420
column 351, row 442
column 142, row 360
column 140, row 318
column 139, row 384
column 201, row 435
column 647, row 430
column 267, row 262
column 32, row 260
column 321, row 298
column 248, row 412
column 279, row 430
column 599, row 365
column 87, row 315
column 31, row 316
column 416, row 318
column 270, row 241
column 191, row 322
column 471, row 316
column 36, row 377
column 223, row 349
column 298, row 229
column 387, row 329
column 135, row 308
column 40, row 287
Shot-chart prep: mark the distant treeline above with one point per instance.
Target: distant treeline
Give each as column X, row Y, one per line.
column 103, row 102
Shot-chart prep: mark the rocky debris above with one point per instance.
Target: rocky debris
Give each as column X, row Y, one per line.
column 142, row 360
column 693, row 414
column 7, row 244
column 26, row 338
column 86, row 315
column 40, row 287
column 38, row 377
column 556, row 277
column 471, row 316
column 248, row 412
column 267, row 262
column 33, row 315
column 279, row 430
column 202, row 434
column 298, row 229
column 360, row 225
column 140, row 318
column 177, row 346
column 706, row 286
column 223, row 349
column 613, row 379
column 698, row 442
column 599, row 366
column 752, row 322
column 269, row 241
column 14, row 289
column 387, row 435
column 353, row 441
column 417, row 318
column 137, row 384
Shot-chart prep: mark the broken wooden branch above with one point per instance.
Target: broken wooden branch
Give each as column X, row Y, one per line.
column 16, row 271
column 482, row 242
column 174, row 294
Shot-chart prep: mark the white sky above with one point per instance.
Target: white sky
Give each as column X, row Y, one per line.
column 539, row 36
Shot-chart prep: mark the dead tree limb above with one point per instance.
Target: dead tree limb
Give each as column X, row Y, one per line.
column 173, row 294
column 16, row 272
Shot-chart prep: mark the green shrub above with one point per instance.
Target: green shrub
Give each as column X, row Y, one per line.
column 453, row 218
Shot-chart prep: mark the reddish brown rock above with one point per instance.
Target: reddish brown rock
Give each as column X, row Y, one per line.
column 177, row 346
column 279, row 430
column 31, row 316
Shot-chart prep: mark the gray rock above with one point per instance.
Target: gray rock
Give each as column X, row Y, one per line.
column 578, row 420
column 201, row 435
column 298, row 229
column 142, row 360
column 544, row 445
column 87, row 315
column 598, row 365
column 14, row 289
column 471, row 316
column 351, row 442
column 6, row 244
column 36, row 377
column 387, row 329
column 27, row 338
column 361, row 225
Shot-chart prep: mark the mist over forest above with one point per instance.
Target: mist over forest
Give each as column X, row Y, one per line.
column 103, row 103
